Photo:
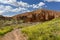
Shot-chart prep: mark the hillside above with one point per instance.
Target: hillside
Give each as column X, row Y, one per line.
column 37, row 15
column 49, row 30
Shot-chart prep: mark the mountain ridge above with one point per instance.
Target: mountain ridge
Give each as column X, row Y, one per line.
column 36, row 16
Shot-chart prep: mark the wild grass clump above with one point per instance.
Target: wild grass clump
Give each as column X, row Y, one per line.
column 49, row 30
column 5, row 30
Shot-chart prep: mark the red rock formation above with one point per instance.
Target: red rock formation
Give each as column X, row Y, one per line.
column 34, row 16
column 37, row 15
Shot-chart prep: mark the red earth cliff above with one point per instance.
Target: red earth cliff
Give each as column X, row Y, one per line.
column 37, row 15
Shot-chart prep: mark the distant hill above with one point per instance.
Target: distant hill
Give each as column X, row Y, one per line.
column 37, row 15
column 5, row 18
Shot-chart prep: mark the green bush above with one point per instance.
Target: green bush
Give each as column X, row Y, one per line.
column 5, row 30
column 49, row 30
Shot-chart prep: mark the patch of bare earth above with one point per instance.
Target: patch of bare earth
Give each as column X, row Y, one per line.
column 14, row 35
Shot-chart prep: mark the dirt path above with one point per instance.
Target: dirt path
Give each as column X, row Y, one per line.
column 14, row 35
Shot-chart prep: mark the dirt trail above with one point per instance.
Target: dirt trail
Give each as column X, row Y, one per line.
column 14, row 35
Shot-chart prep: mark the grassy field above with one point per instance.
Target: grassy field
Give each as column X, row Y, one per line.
column 49, row 30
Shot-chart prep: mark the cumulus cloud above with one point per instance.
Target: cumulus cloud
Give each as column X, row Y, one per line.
column 38, row 5
column 11, row 2
column 41, row 4
column 10, row 9
column 7, row 9
column 21, row 6
column 21, row 3
column 1, row 12
column 52, row 0
column 19, row 9
column 14, row 3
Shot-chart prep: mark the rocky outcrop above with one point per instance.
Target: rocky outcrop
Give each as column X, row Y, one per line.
column 37, row 16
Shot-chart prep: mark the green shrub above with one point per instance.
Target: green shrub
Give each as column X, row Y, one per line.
column 5, row 30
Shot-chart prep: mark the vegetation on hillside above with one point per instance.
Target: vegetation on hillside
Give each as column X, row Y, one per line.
column 7, row 26
column 49, row 30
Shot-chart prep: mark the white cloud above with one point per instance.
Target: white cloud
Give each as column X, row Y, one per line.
column 21, row 3
column 52, row 0
column 21, row 6
column 19, row 9
column 34, row 6
column 6, row 1
column 14, row 3
column 38, row 5
column 1, row 12
column 41, row 4
column 11, row 2
column 6, row 9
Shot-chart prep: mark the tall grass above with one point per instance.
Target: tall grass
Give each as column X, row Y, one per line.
column 5, row 30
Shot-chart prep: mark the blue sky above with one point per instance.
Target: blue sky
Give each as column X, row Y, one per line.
column 14, row 7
